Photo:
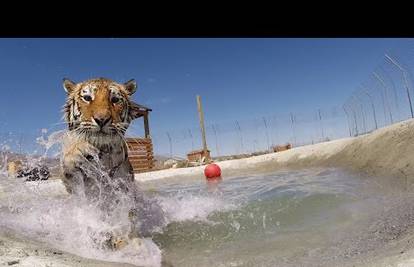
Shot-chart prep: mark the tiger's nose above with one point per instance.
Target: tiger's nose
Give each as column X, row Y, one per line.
column 101, row 121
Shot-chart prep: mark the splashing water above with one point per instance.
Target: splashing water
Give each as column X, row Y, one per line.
column 312, row 217
column 71, row 224
column 44, row 212
column 74, row 223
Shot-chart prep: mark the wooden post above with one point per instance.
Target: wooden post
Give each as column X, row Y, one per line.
column 146, row 125
column 203, row 131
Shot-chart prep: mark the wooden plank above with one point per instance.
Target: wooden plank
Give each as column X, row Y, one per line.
column 148, row 147
column 134, row 164
column 139, row 144
column 138, row 141
column 137, row 163
column 140, row 162
column 141, row 156
column 137, row 138
column 146, row 157
column 140, row 148
column 139, row 153
column 141, row 166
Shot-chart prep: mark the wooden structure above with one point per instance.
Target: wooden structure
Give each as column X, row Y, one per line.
column 282, row 148
column 140, row 154
column 200, row 155
column 140, row 150
column 206, row 152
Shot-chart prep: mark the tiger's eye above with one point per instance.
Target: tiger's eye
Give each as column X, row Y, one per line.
column 87, row 98
column 115, row 99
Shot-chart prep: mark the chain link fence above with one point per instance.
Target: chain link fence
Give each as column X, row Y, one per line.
column 384, row 98
column 257, row 135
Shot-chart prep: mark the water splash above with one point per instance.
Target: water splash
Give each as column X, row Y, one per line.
column 71, row 224
column 74, row 223
column 192, row 206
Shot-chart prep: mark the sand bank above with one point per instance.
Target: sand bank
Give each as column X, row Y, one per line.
column 388, row 151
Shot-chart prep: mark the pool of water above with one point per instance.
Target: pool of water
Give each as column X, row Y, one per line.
column 306, row 217
column 287, row 218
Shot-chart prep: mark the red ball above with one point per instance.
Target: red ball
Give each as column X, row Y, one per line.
column 212, row 171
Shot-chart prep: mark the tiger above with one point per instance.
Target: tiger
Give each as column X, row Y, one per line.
column 98, row 112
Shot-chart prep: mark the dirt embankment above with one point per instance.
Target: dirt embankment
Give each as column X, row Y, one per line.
column 388, row 151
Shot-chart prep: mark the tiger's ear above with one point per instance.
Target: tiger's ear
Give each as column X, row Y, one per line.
column 131, row 86
column 68, row 85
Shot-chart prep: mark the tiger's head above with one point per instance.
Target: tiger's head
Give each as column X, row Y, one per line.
column 99, row 106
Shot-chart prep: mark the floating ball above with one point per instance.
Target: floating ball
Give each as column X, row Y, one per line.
column 212, row 171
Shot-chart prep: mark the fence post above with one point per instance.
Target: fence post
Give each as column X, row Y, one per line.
column 169, row 140
column 192, row 139
column 373, row 109
column 215, row 135
column 352, row 107
column 356, row 123
column 20, row 143
column 241, row 136
column 267, row 134
column 275, row 131
column 347, row 119
column 293, row 129
column 394, row 91
column 320, row 119
column 203, row 130
column 385, row 91
column 405, row 81
column 362, row 112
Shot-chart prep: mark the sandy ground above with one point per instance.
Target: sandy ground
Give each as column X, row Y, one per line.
column 17, row 252
column 387, row 152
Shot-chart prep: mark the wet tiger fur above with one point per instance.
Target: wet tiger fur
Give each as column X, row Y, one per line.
column 95, row 157
column 98, row 112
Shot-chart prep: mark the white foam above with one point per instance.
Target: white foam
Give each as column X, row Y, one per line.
column 71, row 224
column 193, row 207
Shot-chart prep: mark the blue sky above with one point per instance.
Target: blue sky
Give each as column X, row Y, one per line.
column 237, row 78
